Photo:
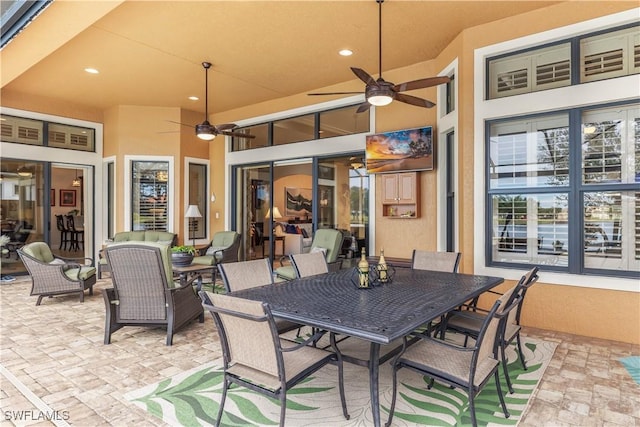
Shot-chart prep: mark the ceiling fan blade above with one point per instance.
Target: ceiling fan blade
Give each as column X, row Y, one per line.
column 226, row 126
column 421, row 83
column 363, row 107
column 335, row 93
column 364, row 76
column 178, row 123
column 237, row 134
column 414, row 100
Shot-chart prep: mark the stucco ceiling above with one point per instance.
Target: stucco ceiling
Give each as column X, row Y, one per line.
column 150, row 52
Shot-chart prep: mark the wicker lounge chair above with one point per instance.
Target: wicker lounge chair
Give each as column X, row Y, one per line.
column 256, row 358
column 56, row 275
column 224, row 248
column 469, row 368
column 143, row 292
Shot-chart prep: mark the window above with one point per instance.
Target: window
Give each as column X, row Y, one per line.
column 198, row 180
column 342, row 121
column 450, row 95
column 531, row 71
column 324, row 124
column 585, row 219
column 110, row 181
column 601, row 56
column 32, row 132
column 295, row 129
column 149, row 195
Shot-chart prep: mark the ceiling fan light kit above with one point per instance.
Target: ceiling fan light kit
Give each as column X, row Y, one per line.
column 381, row 92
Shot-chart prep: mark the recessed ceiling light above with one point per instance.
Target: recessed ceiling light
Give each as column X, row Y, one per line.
column 193, row 98
column 91, row 70
column 346, row 52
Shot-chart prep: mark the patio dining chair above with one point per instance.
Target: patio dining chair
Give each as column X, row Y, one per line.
column 310, row 264
column 469, row 368
column 435, row 261
column 52, row 275
column 144, row 293
column 470, row 322
column 254, row 355
column 325, row 240
column 241, row 275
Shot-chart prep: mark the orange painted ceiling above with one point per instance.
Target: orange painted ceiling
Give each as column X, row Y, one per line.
column 150, row 52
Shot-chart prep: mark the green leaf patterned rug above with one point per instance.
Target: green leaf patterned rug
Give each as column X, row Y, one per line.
column 191, row 398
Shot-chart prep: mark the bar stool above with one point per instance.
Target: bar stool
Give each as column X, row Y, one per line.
column 77, row 234
column 64, row 232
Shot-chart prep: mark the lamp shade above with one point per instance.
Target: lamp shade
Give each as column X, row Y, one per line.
column 193, row 212
column 276, row 213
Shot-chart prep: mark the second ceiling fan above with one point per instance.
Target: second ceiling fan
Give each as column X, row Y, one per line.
column 381, row 92
column 206, row 130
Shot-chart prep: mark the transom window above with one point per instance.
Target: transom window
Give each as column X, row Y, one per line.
column 592, row 57
column 320, row 125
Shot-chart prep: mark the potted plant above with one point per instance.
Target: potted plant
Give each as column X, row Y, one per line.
column 181, row 256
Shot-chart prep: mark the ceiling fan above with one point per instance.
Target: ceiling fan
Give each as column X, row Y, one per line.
column 206, row 130
column 381, row 92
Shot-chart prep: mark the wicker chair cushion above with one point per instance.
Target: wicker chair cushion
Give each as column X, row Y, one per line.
column 331, row 240
column 82, row 273
column 40, row 251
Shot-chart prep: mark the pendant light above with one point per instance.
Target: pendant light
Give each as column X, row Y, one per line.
column 76, row 182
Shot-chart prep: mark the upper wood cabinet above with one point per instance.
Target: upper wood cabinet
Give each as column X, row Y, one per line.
column 400, row 195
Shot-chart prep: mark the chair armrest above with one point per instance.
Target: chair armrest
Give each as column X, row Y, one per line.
column 312, row 339
column 74, row 260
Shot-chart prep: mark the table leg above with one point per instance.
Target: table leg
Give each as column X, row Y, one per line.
column 374, row 368
column 199, row 282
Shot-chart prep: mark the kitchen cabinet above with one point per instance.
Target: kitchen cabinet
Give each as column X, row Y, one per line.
column 400, row 195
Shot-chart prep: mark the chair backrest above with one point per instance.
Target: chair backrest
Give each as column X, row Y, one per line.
column 246, row 274
column 329, row 239
column 435, row 261
column 248, row 334
column 309, row 264
column 525, row 282
column 60, row 223
column 71, row 223
column 141, row 274
column 40, row 251
column 488, row 335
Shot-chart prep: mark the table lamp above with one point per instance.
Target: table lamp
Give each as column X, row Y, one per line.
column 192, row 212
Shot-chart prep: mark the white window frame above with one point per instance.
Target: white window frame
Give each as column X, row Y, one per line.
column 128, row 160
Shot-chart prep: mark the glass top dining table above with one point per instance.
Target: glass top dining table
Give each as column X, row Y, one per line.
column 379, row 315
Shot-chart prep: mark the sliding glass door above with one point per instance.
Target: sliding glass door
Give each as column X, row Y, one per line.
column 273, row 201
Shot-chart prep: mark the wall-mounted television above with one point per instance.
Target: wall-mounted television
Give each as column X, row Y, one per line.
column 401, row 150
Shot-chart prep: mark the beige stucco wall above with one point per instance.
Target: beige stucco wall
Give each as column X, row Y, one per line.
column 586, row 311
